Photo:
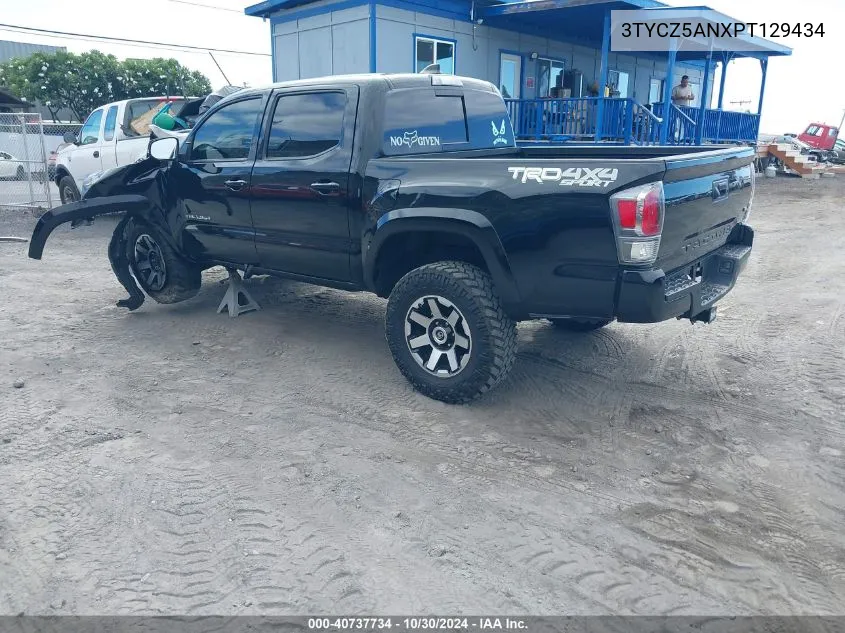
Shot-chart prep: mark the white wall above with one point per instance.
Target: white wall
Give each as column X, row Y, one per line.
column 334, row 43
column 479, row 56
column 338, row 42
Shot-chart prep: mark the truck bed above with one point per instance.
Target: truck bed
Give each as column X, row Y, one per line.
column 550, row 207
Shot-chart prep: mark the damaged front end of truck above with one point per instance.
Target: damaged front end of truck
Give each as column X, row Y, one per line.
column 140, row 191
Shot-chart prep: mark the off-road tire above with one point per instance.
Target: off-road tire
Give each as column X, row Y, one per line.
column 182, row 278
column 68, row 191
column 493, row 334
column 580, row 325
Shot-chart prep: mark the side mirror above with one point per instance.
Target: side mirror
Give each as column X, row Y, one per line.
column 164, row 148
column 70, row 137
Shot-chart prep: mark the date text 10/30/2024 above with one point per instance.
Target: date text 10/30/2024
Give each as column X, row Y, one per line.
column 416, row 624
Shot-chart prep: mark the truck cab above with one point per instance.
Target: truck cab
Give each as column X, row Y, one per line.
column 113, row 135
column 820, row 136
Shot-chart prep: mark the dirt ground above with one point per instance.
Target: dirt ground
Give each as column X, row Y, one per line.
column 177, row 461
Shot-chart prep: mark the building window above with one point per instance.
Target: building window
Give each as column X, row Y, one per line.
column 617, row 83
column 428, row 50
column 655, row 91
column 549, row 77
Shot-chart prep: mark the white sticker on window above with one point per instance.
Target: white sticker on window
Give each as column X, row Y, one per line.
column 499, row 137
column 412, row 139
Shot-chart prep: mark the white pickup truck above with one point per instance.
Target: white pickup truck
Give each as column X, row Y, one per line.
column 113, row 135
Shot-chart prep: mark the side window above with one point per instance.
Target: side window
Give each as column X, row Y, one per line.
column 227, row 134
column 91, row 130
column 111, row 121
column 306, row 124
column 832, row 131
column 418, row 121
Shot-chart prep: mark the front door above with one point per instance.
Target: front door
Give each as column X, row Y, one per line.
column 213, row 183
column 85, row 158
column 510, row 76
column 301, row 185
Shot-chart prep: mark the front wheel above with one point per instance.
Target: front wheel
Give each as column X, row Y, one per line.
column 161, row 272
column 68, row 191
column 448, row 333
column 20, row 174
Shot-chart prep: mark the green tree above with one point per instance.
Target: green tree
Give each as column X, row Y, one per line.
column 81, row 83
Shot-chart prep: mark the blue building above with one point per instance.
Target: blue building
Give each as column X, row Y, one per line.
column 551, row 60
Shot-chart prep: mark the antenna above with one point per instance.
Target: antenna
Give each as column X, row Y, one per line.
column 220, row 69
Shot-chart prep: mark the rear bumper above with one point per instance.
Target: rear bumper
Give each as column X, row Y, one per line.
column 650, row 296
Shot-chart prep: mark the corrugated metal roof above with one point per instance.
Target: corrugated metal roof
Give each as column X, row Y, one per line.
column 10, row 50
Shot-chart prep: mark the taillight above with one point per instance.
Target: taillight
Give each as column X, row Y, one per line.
column 753, row 176
column 638, row 220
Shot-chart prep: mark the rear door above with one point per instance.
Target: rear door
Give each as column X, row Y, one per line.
column 213, row 181
column 300, row 183
column 707, row 194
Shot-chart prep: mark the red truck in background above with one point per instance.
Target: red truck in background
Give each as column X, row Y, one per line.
column 820, row 136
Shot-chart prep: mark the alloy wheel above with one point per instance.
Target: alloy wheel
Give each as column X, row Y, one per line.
column 438, row 336
column 149, row 262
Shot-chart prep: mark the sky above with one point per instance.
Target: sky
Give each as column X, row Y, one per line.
column 805, row 87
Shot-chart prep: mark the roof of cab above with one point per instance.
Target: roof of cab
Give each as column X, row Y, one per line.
column 409, row 80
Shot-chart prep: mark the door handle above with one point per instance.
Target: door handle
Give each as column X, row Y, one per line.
column 235, row 185
column 325, row 188
column 96, row 154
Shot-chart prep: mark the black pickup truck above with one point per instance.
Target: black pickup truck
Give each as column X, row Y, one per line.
column 412, row 187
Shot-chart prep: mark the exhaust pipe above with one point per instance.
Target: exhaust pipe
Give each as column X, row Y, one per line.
column 707, row 316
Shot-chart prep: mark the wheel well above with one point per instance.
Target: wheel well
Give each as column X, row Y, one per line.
column 404, row 252
column 61, row 172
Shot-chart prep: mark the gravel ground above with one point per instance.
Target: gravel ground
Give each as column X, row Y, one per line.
column 177, row 461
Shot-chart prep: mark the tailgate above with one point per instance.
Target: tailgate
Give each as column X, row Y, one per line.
column 707, row 194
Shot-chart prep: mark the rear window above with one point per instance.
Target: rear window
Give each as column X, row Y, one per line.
column 420, row 121
column 139, row 114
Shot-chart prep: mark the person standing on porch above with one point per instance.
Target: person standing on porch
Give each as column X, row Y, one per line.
column 682, row 93
column 682, row 96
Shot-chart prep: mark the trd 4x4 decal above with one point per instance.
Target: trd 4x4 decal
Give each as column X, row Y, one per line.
column 600, row 177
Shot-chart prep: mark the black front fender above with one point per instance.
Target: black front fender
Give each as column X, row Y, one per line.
column 82, row 210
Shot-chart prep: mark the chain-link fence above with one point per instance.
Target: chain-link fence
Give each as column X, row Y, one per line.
column 28, row 149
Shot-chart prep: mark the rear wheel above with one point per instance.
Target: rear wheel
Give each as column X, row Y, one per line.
column 68, row 191
column 579, row 325
column 448, row 333
column 160, row 271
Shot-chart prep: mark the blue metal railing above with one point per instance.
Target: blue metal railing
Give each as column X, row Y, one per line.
column 626, row 122
column 569, row 119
